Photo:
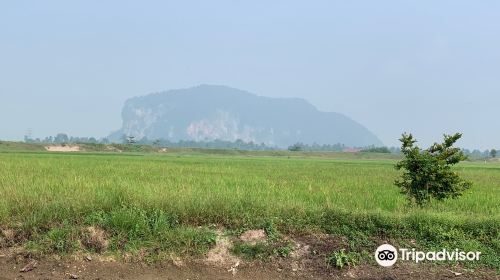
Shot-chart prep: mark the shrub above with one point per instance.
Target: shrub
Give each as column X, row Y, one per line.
column 427, row 173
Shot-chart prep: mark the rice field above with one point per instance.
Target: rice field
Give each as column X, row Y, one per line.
column 174, row 200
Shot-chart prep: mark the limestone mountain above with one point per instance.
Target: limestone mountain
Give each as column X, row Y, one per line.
column 209, row 112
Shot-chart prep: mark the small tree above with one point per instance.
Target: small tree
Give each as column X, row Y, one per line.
column 61, row 138
column 493, row 153
column 427, row 173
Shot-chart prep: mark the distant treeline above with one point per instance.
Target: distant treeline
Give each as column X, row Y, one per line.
column 62, row 138
column 477, row 154
column 383, row 150
column 341, row 148
column 212, row 144
column 317, row 147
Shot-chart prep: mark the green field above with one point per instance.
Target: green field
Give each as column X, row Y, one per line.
column 172, row 202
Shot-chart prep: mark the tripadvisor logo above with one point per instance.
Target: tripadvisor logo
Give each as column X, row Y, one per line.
column 386, row 255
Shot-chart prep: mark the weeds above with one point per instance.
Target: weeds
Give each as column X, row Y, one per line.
column 283, row 250
column 340, row 259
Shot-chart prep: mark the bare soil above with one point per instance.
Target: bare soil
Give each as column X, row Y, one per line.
column 307, row 261
column 63, row 148
column 253, row 236
column 98, row 267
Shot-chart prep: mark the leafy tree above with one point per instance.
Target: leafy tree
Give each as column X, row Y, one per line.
column 61, row 138
column 493, row 153
column 428, row 173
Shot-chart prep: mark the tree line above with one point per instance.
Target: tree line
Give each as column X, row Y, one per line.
column 63, row 138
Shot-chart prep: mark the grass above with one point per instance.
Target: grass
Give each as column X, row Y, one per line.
column 170, row 202
column 255, row 251
column 19, row 146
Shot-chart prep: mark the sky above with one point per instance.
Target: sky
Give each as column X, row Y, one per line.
column 426, row 67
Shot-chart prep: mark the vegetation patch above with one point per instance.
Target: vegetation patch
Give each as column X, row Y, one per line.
column 58, row 240
column 171, row 203
column 341, row 259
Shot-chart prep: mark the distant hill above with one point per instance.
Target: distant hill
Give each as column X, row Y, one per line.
column 208, row 112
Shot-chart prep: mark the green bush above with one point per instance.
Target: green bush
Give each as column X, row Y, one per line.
column 427, row 173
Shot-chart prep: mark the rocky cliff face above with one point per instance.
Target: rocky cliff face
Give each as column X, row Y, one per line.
column 216, row 112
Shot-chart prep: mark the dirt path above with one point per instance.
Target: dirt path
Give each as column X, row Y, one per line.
column 99, row 269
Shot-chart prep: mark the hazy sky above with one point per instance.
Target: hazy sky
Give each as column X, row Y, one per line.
column 427, row 67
